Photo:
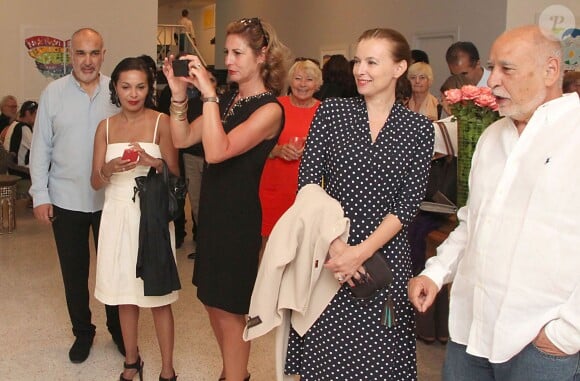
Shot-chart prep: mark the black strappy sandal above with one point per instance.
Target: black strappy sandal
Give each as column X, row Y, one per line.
column 174, row 378
column 138, row 365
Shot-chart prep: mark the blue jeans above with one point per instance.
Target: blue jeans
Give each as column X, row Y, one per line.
column 529, row 365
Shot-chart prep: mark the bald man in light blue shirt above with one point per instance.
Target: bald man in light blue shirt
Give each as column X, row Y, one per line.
column 70, row 109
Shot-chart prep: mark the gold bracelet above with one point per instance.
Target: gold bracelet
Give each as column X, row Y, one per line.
column 178, row 113
column 178, row 102
column 179, row 117
column 179, row 107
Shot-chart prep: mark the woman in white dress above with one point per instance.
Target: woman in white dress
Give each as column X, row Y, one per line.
column 139, row 128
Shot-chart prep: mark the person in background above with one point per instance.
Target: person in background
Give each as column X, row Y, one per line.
column 374, row 155
column 463, row 58
column 152, row 65
column 69, row 111
column 337, row 78
column 403, row 90
column 513, row 259
column 140, row 128
column 8, row 111
column 18, row 135
column 280, row 177
column 571, row 82
column 186, row 31
column 194, row 164
column 422, row 101
column 192, row 156
column 238, row 132
column 159, row 104
column 432, row 324
column 419, row 56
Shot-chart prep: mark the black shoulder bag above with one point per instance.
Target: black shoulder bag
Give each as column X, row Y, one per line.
column 443, row 173
column 176, row 189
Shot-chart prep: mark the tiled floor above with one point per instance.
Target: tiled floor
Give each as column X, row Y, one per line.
column 35, row 331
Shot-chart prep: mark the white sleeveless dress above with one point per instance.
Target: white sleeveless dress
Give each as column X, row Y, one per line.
column 116, row 282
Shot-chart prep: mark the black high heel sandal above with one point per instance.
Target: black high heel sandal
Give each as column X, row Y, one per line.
column 138, row 366
column 174, row 378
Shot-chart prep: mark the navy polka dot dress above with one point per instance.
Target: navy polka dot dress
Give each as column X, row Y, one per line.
column 371, row 180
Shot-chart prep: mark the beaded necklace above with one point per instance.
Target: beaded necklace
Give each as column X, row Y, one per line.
column 233, row 105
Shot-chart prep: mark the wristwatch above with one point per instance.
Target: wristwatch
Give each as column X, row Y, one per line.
column 210, row 99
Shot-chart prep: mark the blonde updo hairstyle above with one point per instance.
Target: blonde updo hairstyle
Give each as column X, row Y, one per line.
column 310, row 68
column 260, row 34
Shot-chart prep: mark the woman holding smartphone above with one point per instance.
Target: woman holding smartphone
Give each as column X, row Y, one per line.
column 127, row 145
column 238, row 131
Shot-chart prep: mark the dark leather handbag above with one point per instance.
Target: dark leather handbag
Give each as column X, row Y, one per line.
column 443, row 172
column 378, row 275
column 176, row 189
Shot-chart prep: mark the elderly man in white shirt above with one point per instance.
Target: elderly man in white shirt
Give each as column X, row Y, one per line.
column 514, row 258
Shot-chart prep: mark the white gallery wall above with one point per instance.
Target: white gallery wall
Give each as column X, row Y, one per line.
column 128, row 27
column 520, row 12
column 308, row 26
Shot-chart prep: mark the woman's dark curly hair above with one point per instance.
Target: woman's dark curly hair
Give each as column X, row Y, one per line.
column 127, row 64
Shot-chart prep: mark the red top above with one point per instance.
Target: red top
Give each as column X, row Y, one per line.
column 279, row 182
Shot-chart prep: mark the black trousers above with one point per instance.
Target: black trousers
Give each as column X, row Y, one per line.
column 71, row 233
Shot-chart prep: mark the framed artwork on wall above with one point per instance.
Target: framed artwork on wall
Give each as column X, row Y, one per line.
column 208, row 15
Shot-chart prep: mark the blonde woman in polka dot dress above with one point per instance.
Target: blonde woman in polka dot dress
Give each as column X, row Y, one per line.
column 374, row 156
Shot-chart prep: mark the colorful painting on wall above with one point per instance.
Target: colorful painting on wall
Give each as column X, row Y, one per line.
column 571, row 45
column 51, row 55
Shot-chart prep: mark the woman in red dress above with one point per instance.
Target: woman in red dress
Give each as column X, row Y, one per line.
column 280, row 176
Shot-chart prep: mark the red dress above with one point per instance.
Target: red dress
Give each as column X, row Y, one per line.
column 280, row 177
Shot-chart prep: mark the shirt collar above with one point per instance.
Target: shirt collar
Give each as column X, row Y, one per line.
column 555, row 108
column 78, row 84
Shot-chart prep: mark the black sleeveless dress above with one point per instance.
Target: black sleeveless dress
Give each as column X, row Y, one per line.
column 230, row 217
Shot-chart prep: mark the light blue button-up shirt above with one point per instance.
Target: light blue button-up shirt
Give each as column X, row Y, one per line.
column 62, row 144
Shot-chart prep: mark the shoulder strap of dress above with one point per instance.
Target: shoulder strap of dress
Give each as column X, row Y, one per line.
column 156, row 124
column 107, row 130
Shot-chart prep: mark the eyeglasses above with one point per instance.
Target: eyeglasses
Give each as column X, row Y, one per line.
column 420, row 77
column 254, row 21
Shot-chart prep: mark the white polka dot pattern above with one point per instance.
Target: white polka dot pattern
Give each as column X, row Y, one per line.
column 370, row 180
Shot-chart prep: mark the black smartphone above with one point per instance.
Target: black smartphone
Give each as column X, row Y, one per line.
column 180, row 68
